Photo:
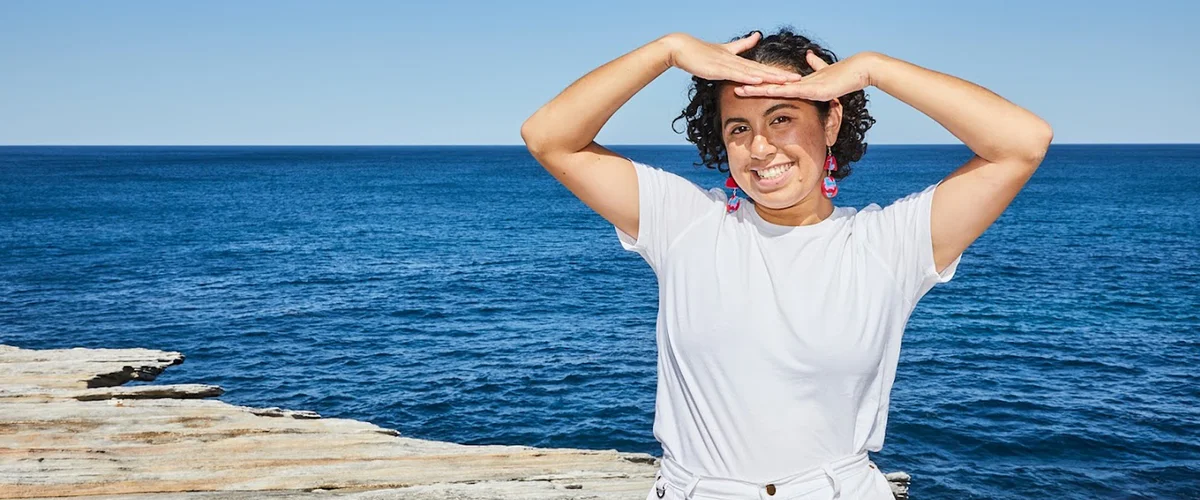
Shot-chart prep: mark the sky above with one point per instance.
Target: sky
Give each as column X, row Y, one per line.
column 456, row 72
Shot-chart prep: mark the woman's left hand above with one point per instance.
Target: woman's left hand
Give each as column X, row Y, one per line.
column 826, row 83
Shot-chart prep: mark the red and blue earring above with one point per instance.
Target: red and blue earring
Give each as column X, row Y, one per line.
column 733, row 202
column 829, row 188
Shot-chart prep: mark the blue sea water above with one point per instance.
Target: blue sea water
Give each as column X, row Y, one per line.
column 462, row 294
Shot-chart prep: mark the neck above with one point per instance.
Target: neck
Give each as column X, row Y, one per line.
column 804, row 213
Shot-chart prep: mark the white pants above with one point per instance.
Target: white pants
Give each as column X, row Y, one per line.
column 849, row 478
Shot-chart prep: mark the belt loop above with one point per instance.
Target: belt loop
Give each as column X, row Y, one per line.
column 762, row 493
column 691, row 487
column 837, row 485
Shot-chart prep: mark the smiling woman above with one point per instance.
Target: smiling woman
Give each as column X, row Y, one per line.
column 783, row 49
column 816, row 134
column 792, row 301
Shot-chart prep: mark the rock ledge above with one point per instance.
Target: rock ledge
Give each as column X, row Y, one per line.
column 68, row 430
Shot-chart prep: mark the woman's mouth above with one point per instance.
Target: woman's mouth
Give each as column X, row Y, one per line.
column 774, row 176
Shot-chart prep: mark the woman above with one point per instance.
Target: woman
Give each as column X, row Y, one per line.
column 780, row 320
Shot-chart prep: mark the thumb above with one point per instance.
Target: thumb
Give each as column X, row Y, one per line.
column 744, row 44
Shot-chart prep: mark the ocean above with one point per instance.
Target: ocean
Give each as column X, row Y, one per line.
column 461, row 294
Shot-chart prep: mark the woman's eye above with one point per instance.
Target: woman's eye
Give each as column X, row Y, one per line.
column 737, row 130
column 784, row 119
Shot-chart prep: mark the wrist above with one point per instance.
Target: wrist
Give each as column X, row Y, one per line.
column 874, row 66
column 665, row 48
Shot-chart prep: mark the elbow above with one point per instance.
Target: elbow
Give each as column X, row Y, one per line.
column 532, row 137
column 1037, row 142
column 1043, row 136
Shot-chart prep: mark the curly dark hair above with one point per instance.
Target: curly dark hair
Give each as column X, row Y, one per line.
column 785, row 49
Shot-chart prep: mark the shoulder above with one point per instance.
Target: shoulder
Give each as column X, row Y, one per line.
column 862, row 217
column 900, row 212
column 670, row 186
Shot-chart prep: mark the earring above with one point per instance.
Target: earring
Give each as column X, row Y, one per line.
column 830, row 188
column 733, row 202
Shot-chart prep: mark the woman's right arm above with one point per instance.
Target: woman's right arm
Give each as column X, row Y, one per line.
column 561, row 134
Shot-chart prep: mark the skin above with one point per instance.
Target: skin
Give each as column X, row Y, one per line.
column 763, row 131
column 1008, row 141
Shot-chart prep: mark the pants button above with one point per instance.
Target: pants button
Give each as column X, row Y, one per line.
column 771, row 489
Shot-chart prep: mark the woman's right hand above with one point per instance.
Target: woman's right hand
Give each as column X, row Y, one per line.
column 713, row 61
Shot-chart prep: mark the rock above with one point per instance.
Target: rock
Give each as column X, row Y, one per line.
column 66, row 430
column 178, row 391
column 899, row 483
column 69, row 368
column 279, row 412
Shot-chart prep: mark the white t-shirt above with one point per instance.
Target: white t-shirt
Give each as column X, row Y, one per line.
column 777, row 345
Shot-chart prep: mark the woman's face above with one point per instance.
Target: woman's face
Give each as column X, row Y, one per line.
column 776, row 147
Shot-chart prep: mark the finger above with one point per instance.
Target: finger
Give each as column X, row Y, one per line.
column 732, row 73
column 790, row 75
column 744, row 44
column 798, row 90
column 740, row 75
column 815, row 61
column 751, row 70
column 762, row 90
column 771, row 73
column 773, row 77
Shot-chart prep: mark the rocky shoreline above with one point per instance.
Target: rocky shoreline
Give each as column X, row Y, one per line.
column 69, row 428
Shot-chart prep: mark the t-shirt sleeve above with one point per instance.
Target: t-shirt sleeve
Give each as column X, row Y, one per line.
column 668, row 205
column 901, row 233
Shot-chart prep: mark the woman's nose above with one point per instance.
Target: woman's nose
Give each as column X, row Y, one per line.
column 761, row 148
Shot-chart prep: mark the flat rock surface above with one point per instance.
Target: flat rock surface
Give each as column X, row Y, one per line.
column 60, row 438
column 66, row 430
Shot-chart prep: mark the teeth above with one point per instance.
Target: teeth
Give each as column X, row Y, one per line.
column 774, row 172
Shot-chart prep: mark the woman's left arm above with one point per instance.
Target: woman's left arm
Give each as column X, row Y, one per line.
column 1009, row 142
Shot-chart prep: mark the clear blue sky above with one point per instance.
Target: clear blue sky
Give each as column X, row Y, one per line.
column 456, row 72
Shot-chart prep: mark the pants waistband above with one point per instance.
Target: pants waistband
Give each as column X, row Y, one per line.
column 827, row 475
